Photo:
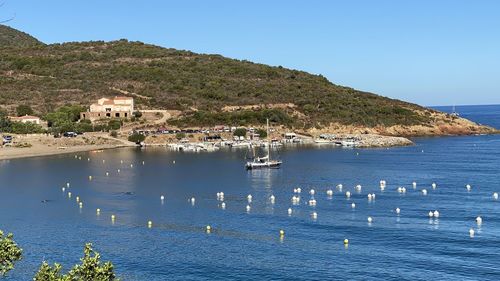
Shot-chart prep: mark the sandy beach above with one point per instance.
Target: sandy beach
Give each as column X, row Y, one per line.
column 44, row 145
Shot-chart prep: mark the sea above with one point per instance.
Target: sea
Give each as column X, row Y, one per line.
column 245, row 244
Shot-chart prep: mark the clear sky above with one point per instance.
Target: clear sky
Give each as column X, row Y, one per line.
column 428, row 52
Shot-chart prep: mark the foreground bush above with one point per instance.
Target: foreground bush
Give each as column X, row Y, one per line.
column 9, row 253
column 91, row 269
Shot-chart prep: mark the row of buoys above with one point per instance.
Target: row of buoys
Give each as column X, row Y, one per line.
column 297, row 190
column 371, row 196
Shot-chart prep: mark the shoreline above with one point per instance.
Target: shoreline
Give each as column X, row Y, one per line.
column 39, row 150
column 48, row 152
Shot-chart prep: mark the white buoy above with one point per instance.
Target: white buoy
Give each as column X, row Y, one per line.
column 69, row 194
column 346, row 241
column 208, row 228
column 299, row 190
column 312, row 191
column 431, row 214
column 88, row 159
column 434, row 185
column 67, row 184
column 329, row 192
column 77, row 199
column 495, row 196
column 98, row 211
column 479, row 220
column 162, row 198
column 142, row 162
column 90, row 178
column 150, row 224
column 358, row 187
column 468, row 187
column 312, row 202
column 249, row 198
column 248, row 208
column 223, row 205
column 272, row 199
column 173, row 162
column 282, row 233
column 369, row 196
column 290, row 211
column 192, row 200
column 398, row 210
column 340, row 186
column 314, row 215
column 403, row 189
column 353, row 205
column 63, row 189
column 131, row 165
column 348, row 194
column 382, row 184
column 471, row 232
column 81, row 205
column 118, row 170
column 414, row 185
column 373, row 196
column 107, row 173
column 121, row 161
column 370, row 220
column 103, row 160
column 424, row 191
column 436, row 214
column 113, row 217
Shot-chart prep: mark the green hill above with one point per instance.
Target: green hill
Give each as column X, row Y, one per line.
column 200, row 85
column 12, row 37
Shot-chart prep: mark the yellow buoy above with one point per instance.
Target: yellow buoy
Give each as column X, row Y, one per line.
column 346, row 241
column 282, row 232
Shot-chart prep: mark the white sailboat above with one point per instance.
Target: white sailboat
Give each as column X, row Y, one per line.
column 263, row 162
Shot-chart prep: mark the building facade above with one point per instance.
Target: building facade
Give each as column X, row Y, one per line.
column 26, row 119
column 117, row 107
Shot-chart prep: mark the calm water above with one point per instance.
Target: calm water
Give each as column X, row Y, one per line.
column 246, row 246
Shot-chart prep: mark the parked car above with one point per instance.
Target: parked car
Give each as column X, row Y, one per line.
column 6, row 139
column 70, row 134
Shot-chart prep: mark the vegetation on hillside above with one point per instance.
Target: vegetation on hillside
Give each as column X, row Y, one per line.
column 47, row 76
column 9, row 253
column 12, row 37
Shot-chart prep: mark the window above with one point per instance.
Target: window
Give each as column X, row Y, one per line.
column 108, row 114
column 117, row 114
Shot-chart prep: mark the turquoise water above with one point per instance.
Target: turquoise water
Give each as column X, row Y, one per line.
column 247, row 246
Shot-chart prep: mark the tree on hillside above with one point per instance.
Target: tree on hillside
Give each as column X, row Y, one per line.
column 240, row 132
column 136, row 137
column 262, row 133
column 23, row 109
column 9, row 253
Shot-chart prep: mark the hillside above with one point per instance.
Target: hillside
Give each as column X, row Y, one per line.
column 12, row 37
column 208, row 89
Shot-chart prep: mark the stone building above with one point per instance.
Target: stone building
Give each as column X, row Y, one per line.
column 117, row 107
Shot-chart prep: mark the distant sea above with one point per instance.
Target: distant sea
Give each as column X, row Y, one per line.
column 483, row 114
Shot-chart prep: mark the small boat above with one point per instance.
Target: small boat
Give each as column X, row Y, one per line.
column 263, row 162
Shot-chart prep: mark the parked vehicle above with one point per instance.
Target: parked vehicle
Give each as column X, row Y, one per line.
column 70, row 134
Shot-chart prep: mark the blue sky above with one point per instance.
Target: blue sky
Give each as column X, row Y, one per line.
column 428, row 52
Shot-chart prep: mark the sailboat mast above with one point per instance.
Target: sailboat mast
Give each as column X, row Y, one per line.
column 268, row 142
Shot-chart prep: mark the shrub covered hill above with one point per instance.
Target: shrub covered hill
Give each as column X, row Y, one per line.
column 208, row 89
